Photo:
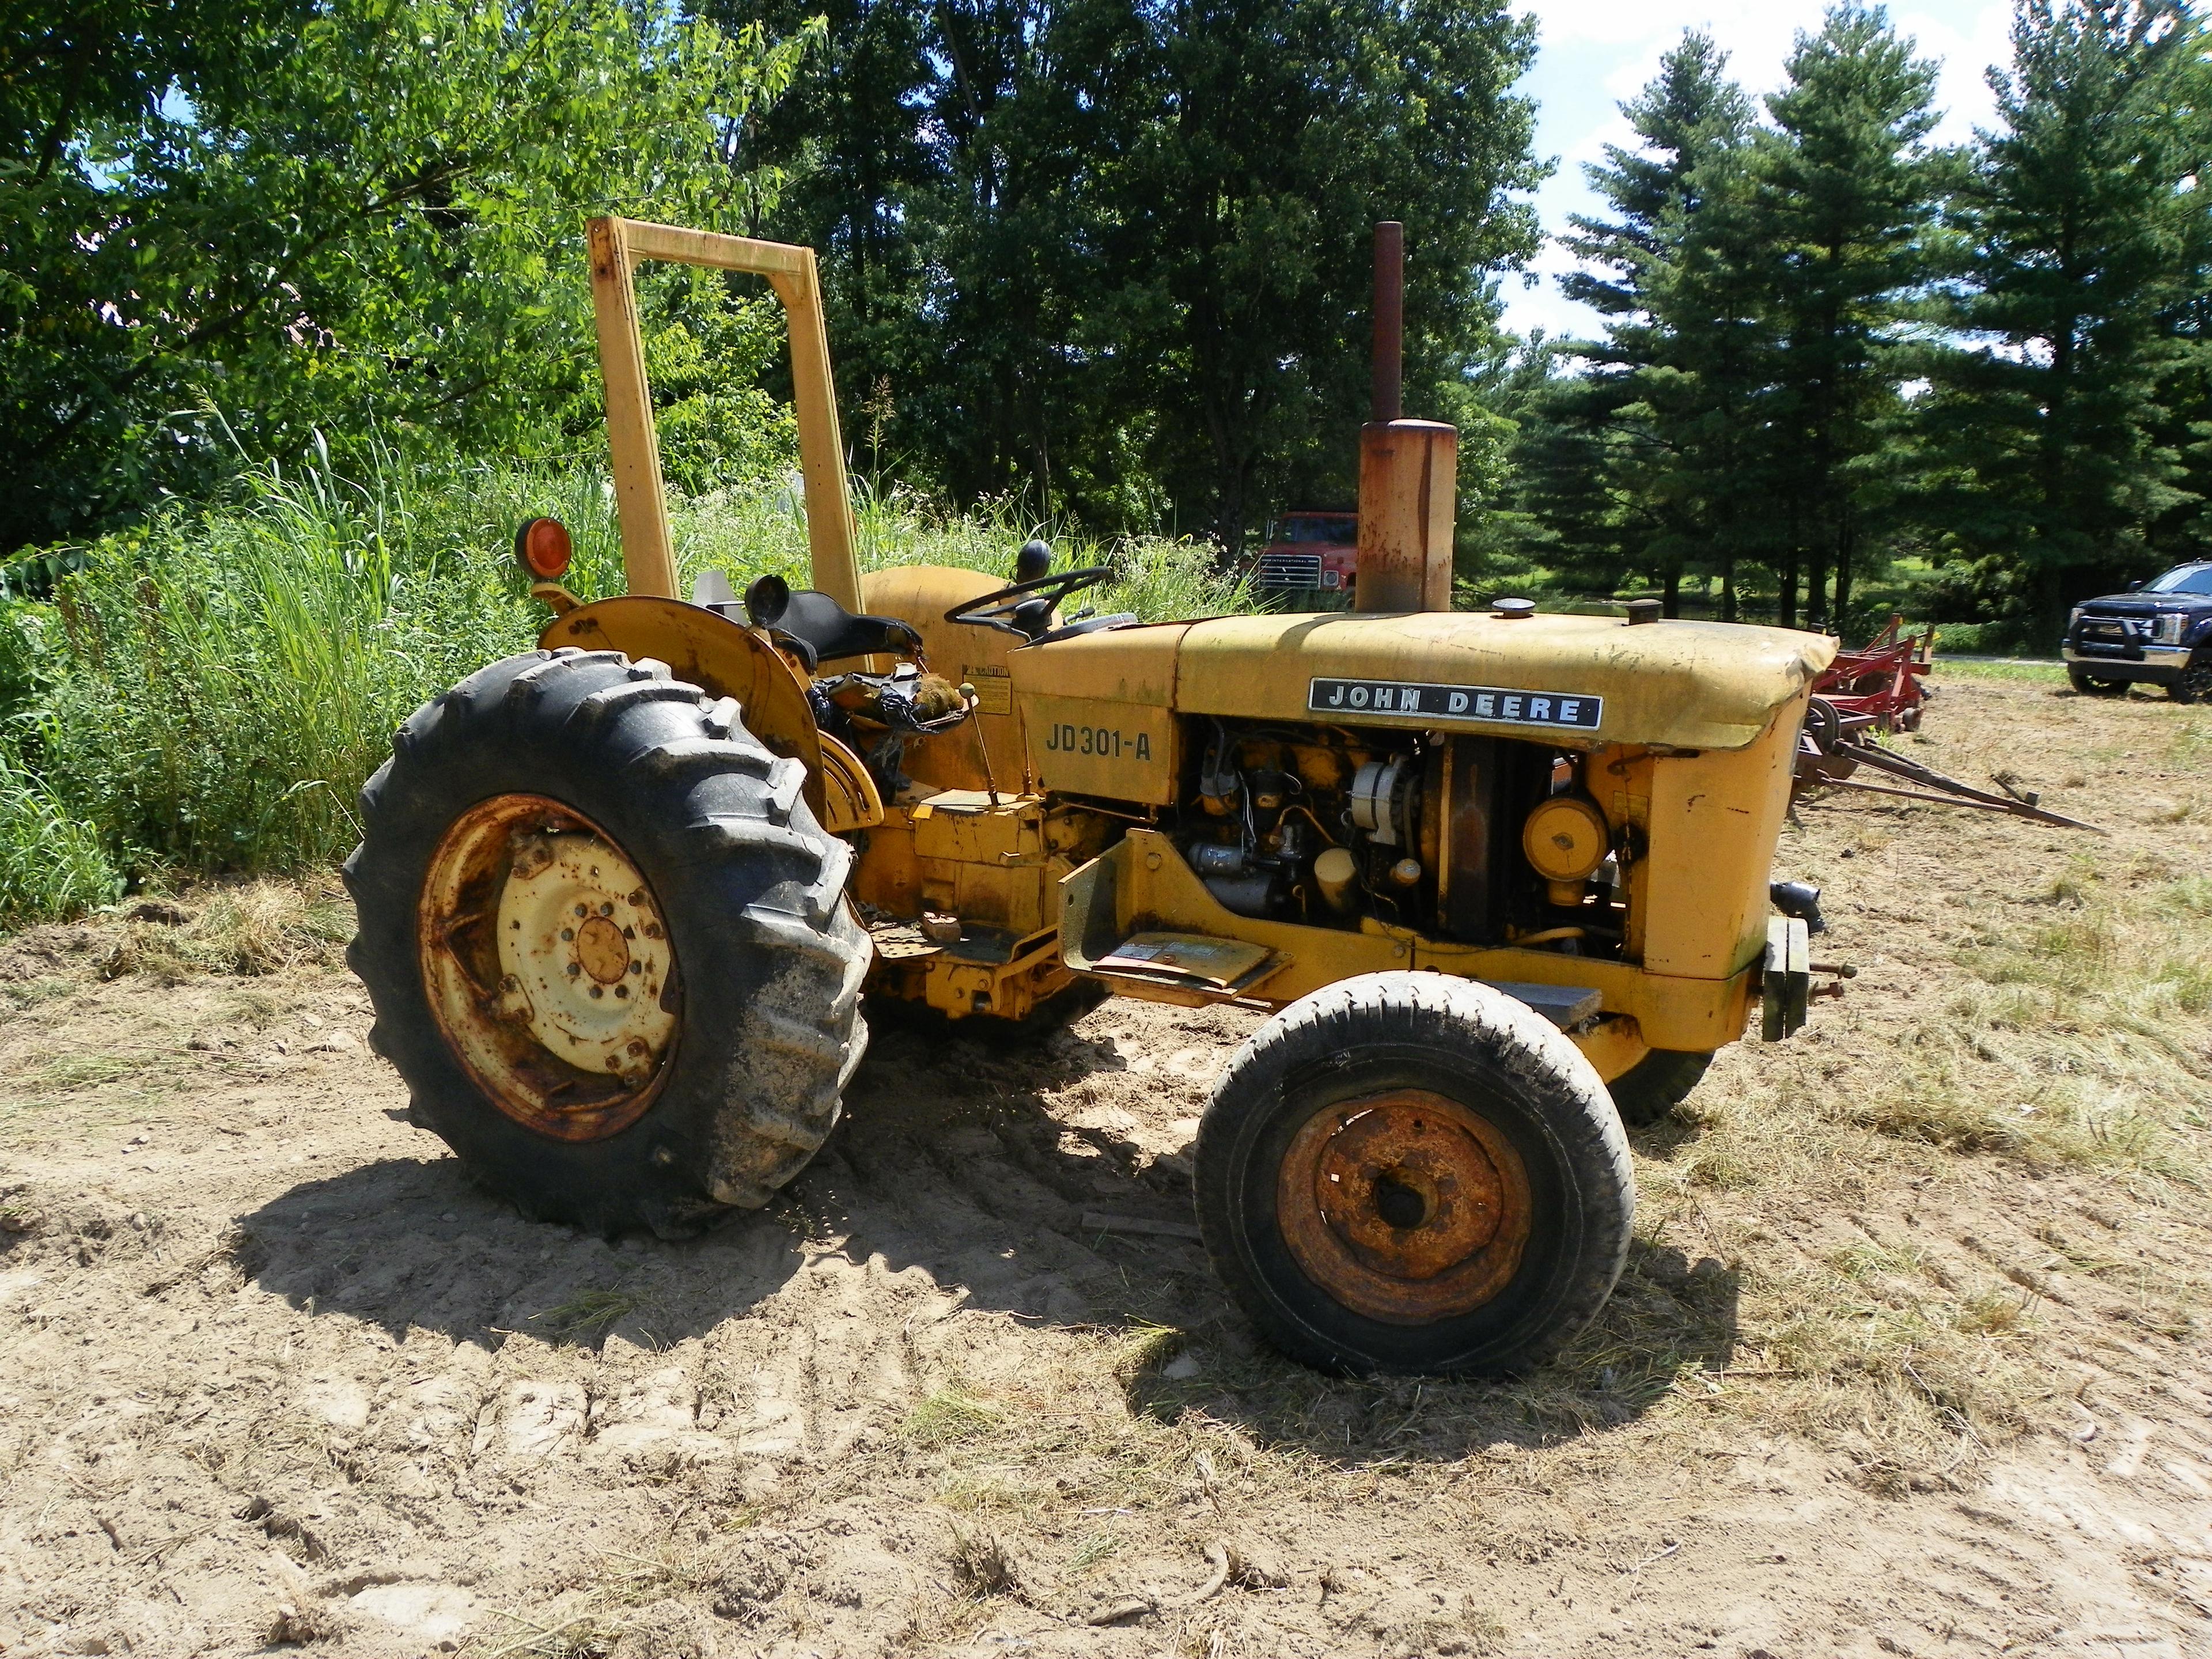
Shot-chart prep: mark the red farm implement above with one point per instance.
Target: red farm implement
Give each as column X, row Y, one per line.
column 1877, row 690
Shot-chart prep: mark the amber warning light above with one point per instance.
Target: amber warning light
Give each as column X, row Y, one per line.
column 542, row 546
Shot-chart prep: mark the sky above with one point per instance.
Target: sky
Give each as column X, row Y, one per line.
column 1594, row 55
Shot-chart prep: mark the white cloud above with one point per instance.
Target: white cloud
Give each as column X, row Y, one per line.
column 1595, row 54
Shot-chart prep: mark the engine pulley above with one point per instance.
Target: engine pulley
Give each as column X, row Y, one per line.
column 1565, row 839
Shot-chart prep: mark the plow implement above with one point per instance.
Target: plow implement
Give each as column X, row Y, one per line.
column 1879, row 688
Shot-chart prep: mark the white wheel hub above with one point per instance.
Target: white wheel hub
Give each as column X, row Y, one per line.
column 584, row 955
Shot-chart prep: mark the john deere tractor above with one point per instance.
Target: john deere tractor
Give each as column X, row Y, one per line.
column 1501, row 877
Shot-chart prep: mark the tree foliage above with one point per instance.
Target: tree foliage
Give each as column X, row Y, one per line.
column 2051, row 448
column 227, row 226
column 1115, row 257
column 1828, row 344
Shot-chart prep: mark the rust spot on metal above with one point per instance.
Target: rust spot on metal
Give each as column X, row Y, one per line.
column 1407, row 1206
column 539, row 1051
column 600, row 947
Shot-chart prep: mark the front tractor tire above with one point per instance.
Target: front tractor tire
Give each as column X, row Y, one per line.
column 608, row 944
column 1406, row 1172
column 1648, row 1091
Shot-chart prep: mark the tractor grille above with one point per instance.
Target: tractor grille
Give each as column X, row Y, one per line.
column 1287, row 570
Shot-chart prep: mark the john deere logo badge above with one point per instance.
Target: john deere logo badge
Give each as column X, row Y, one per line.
column 1492, row 705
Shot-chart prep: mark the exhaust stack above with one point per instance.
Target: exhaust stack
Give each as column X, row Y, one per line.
column 1408, row 469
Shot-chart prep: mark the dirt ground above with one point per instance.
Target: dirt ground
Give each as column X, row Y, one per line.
column 1910, row 1358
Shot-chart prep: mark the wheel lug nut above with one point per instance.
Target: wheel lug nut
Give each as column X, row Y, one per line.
column 622, row 990
column 581, row 911
column 567, row 933
column 597, row 993
column 606, row 909
column 574, row 969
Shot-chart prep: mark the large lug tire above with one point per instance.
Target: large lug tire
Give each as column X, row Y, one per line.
column 2090, row 686
column 724, row 961
column 1405, row 1172
column 2194, row 684
column 1655, row 1085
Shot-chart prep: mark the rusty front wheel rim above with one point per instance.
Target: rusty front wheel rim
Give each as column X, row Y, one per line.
column 1406, row 1207
column 548, row 967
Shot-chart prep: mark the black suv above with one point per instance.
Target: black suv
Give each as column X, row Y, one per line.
column 2159, row 632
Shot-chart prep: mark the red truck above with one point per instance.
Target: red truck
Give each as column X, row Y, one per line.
column 1309, row 560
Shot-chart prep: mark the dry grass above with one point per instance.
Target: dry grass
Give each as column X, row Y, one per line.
column 981, row 1566
column 253, row 928
column 948, row 1416
column 588, row 1314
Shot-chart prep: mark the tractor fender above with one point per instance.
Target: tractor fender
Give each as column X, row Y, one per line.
column 728, row 659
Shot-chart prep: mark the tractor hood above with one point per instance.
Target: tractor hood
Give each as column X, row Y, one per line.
column 1670, row 685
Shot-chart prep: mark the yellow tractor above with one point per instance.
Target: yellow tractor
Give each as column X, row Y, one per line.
column 1503, row 879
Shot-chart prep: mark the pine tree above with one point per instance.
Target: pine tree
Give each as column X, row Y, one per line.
column 2050, row 451
column 1845, row 195
column 1643, row 410
column 1722, row 351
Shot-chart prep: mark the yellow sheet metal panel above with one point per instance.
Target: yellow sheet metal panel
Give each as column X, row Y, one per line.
column 1092, row 746
column 887, row 876
column 989, row 866
column 965, row 654
column 1097, row 709
column 850, row 798
column 1122, row 665
column 1582, row 679
column 1713, row 820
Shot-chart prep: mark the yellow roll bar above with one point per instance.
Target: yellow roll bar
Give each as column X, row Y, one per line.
column 648, row 556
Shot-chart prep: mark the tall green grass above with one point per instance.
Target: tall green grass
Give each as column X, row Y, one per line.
column 228, row 681
column 208, row 693
column 51, row 863
column 746, row 536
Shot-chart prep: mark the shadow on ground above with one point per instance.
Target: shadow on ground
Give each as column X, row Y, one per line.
column 952, row 1159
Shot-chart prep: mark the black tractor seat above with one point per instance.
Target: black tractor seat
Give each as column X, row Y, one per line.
column 814, row 621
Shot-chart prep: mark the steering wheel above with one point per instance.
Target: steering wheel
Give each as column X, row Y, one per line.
column 1045, row 593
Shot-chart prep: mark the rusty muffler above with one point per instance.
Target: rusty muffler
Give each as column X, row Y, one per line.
column 1408, row 469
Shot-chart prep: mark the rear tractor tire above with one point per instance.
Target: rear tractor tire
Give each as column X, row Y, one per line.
column 1405, row 1172
column 608, row 944
column 1655, row 1085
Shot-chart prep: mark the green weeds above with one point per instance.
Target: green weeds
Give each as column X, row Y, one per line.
column 589, row 1314
column 51, row 863
column 209, row 692
column 745, row 536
